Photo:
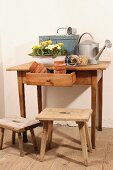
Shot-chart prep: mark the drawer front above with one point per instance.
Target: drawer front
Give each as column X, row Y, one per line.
column 50, row 79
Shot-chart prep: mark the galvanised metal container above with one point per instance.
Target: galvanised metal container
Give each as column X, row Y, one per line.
column 70, row 41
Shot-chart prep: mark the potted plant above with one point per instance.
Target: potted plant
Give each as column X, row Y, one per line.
column 46, row 52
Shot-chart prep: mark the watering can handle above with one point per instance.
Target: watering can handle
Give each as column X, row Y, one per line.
column 83, row 35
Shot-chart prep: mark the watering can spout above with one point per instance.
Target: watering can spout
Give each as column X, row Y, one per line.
column 108, row 44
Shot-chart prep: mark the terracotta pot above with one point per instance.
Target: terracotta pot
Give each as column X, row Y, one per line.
column 60, row 67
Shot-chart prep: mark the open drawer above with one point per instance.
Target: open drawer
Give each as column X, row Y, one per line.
column 50, row 79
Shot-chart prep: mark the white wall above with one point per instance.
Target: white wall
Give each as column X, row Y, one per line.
column 24, row 21
column 2, row 106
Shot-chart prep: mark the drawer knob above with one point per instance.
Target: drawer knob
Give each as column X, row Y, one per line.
column 49, row 80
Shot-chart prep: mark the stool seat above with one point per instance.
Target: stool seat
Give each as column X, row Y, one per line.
column 81, row 116
column 65, row 114
column 18, row 125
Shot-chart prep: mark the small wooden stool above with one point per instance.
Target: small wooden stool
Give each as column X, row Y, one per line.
column 19, row 125
column 81, row 116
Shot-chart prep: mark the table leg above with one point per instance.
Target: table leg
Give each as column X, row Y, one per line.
column 93, row 106
column 100, row 89
column 22, row 100
column 39, row 97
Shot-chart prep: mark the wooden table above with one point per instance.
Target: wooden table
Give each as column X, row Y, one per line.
column 85, row 75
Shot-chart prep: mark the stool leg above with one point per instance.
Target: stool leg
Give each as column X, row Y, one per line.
column 1, row 138
column 81, row 126
column 25, row 139
column 20, row 144
column 34, row 139
column 88, row 138
column 43, row 140
column 13, row 137
column 50, row 131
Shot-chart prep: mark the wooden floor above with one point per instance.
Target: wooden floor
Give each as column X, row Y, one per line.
column 65, row 153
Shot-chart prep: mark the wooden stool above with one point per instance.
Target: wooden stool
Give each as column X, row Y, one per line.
column 19, row 125
column 81, row 116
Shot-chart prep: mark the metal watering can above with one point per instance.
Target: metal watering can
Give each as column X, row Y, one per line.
column 90, row 49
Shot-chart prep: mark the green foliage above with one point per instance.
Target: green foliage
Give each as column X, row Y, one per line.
column 46, row 48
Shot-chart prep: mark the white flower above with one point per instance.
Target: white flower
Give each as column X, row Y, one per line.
column 50, row 47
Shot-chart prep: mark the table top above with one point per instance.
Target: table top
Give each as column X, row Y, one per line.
column 101, row 66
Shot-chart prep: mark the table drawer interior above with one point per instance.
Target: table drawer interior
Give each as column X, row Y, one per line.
column 50, row 79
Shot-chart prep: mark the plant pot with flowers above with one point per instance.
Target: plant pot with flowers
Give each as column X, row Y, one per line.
column 47, row 52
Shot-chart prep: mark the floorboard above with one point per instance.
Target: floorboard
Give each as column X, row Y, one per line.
column 65, row 154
